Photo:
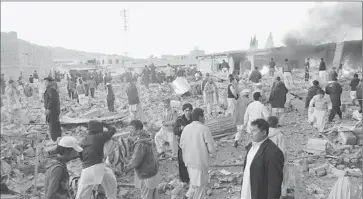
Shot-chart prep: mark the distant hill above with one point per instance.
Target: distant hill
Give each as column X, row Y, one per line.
column 63, row 53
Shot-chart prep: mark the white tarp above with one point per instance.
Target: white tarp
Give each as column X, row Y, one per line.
column 181, row 85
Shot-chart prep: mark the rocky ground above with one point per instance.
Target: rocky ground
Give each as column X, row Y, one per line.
column 311, row 177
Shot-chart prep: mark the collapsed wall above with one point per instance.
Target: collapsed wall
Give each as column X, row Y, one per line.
column 352, row 55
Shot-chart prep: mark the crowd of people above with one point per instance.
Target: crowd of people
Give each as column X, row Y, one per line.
column 258, row 119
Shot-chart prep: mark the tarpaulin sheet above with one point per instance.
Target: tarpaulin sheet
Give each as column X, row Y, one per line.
column 181, row 85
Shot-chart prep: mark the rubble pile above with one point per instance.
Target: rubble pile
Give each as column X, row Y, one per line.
column 317, row 162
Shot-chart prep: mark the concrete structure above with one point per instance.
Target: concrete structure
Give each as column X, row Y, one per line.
column 21, row 57
column 210, row 63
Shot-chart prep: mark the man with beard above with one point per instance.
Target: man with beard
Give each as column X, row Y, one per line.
column 263, row 166
column 165, row 134
column 197, row 145
column 278, row 99
column 144, row 162
column 254, row 111
column 334, row 90
column 52, row 108
column 180, row 124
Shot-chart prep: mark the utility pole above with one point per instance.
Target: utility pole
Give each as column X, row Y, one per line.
column 124, row 15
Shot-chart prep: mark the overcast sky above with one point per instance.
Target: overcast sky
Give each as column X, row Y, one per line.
column 154, row 28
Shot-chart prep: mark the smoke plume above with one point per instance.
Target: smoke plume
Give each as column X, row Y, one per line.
column 329, row 23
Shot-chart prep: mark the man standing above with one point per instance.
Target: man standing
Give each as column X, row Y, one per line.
column 334, row 90
column 180, row 124
column 134, row 101
column 204, row 82
column 312, row 92
column 359, row 94
column 153, row 73
column 307, row 69
column 145, row 163
column 322, row 70
column 272, row 65
column 255, row 110
column 247, row 66
column 52, row 108
column 278, row 99
column 231, row 96
column 57, row 177
column 286, row 70
column 13, row 98
column 197, row 144
column 255, row 76
column 31, row 79
column 94, row 170
column 225, row 67
column 263, row 167
column 3, row 85
column 353, row 88
column 92, row 86
column 242, row 102
column 166, row 134
column 169, row 74
column 211, row 95
column 35, row 75
column 110, row 98
column 146, row 76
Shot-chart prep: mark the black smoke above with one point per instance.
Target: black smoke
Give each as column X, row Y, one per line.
column 328, row 23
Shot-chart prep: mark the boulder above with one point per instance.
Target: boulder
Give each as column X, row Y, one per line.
column 347, row 138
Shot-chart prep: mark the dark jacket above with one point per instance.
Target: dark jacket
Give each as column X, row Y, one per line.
column 144, row 158
column 272, row 64
column 51, row 99
column 266, row 171
column 322, row 66
column 110, row 93
column 359, row 90
column 56, row 180
column 354, row 83
column 132, row 94
column 334, row 90
column 92, row 145
column 255, row 76
column 225, row 65
column 278, row 95
column 311, row 93
column 180, row 121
